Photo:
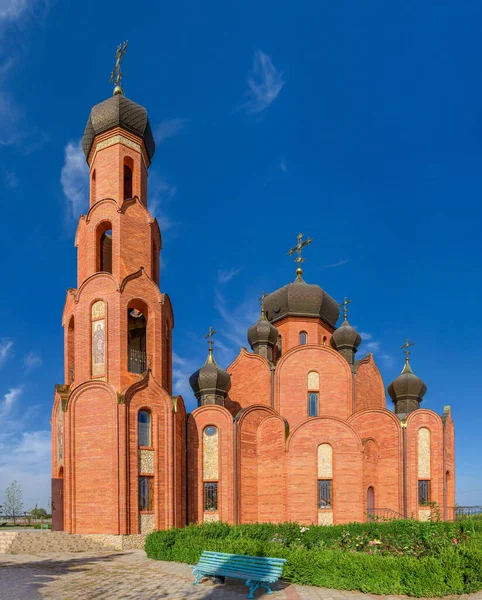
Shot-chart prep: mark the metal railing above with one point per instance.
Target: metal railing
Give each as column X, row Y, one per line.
column 383, row 514
column 459, row 513
column 137, row 361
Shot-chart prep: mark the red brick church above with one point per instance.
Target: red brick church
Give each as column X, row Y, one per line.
column 297, row 429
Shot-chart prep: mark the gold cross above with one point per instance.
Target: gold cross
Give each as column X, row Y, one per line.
column 345, row 304
column 407, row 346
column 298, row 248
column 261, row 301
column 117, row 74
column 210, row 336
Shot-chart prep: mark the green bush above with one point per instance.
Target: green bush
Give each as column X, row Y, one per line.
column 418, row 559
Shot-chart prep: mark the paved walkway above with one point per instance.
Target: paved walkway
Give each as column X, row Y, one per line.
column 132, row 576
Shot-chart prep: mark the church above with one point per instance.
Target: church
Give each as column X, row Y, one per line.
column 295, row 429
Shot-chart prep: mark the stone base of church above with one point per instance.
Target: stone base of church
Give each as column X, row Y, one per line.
column 37, row 542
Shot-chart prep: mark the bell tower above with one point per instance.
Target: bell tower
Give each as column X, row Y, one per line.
column 115, row 423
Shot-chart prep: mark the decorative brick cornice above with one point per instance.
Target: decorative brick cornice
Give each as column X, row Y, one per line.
column 102, row 141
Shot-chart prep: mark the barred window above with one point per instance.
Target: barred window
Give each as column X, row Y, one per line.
column 324, row 493
column 211, row 496
column 423, row 492
column 313, row 404
column 146, row 493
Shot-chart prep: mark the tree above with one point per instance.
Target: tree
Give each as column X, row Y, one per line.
column 38, row 513
column 13, row 505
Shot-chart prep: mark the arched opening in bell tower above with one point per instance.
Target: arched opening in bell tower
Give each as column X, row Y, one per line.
column 128, row 170
column 71, row 350
column 104, row 247
column 137, row 337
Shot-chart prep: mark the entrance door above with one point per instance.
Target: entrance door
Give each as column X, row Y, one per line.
column 370, row 503
column 57, row 504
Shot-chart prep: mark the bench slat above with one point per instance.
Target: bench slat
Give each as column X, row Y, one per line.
column 240, row 566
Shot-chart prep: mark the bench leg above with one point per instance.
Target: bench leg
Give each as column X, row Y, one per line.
column 253, row 586
column 198, row 578
column 268, row 588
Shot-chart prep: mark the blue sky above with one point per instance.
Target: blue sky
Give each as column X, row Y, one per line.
column 357, row 123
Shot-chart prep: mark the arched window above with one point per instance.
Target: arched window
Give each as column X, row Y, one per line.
column 128, row 169
column 313, row 393
column 104, row 247
column 424, row 471
column 137, row 338
column 144, row 437
column 303, row 338
column 370, row 503
column 324, row 340
column 210, row 471
column 71, row 350
column 93, row 188
column 325, row 477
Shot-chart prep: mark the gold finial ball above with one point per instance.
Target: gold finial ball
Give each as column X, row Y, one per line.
column 118, row 90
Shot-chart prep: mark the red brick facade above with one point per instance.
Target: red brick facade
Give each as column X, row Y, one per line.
column 261, row 450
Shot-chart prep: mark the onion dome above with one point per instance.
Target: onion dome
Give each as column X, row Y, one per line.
column 300, row 299
column 210, row 383
column 118, row 111
column 407, row 390
column 262, row 336
column 346, row 338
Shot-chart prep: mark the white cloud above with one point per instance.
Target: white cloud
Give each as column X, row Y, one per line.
column 237, row 320
column 74, row 178
column 339, row 263
column 283, row 166
column 13, row 9
column 182, row 369
column 9, row 399
column 12, row 120
column 31, row 361
column 10, row 179
column 225, row 276
column 161, row 194
column 24, row 454
column 374, row 346
column 265, row 83
column 169, row 128
column 5, row 350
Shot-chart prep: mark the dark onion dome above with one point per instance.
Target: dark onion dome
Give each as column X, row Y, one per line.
column 346, row 337
column 262, row 332
column 210, row 381
column 118, row 111
column 407, row 390
column 300, row 299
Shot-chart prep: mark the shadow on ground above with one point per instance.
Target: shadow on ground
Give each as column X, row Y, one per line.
column 112, row 576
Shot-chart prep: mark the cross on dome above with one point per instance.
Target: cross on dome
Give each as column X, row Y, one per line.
column 407, row 346
column 116, row 75
column 209, row 337
column 345, row 304
column 299, row 259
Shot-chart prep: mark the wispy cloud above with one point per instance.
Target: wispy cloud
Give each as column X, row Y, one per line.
column 369, row 344
column 161, row 194
column 24, row 453
column 264, row 82
column 74, row 178
column 236, row 320
column 12, row 120
column 169, row 128
column 10, row 179
column 283, row 166
column 5, row 350
column 32, row 361
column 8, row 400
column 182, row 369
column 225, row 276
column 339, row 263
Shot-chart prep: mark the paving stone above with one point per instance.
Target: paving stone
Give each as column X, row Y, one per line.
column 132, row 576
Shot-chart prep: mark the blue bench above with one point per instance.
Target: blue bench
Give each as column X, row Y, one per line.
column 258, row 571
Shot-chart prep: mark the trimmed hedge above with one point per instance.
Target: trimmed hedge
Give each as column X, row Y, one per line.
column 314, row 558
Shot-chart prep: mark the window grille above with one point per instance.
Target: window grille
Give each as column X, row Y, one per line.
column 137, row 361
column 146, row 493
column 324, row 493
column 423, row 492
column 313, row 404
column 211, row 496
